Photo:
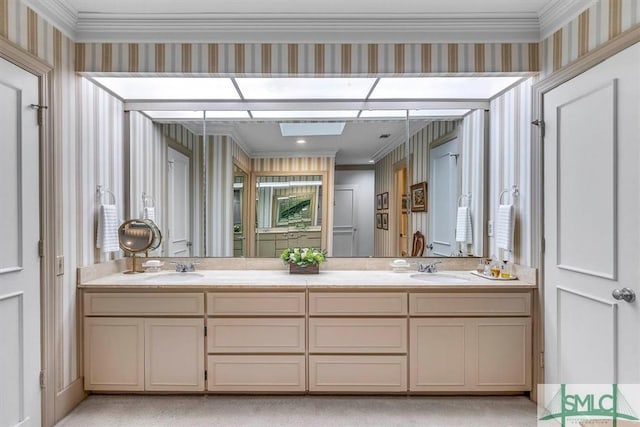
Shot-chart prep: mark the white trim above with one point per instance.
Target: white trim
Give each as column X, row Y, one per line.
column 305, row 28
column 558, row 13
column 287, row 154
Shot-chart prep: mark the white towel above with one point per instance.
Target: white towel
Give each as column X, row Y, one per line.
column 505, row 223
column 464, row 233
column 107, row 240
column 149, row 213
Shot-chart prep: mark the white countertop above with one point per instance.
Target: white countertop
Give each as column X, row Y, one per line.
column 277, row 279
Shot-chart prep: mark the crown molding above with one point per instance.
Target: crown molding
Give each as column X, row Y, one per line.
column 301, row 28
column 59, row 13
column 287, row 154
column 557, row 13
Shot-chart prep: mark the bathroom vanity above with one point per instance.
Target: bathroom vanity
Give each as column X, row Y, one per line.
column 223, row 331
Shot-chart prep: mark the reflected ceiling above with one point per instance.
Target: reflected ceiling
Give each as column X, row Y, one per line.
column 250, row 109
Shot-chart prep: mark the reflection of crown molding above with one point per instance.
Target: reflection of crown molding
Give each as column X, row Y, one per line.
column 305, row 28
column 229, row 130
column 414, row 127
column 287, row 154
column 59, row 13
column 557, row 13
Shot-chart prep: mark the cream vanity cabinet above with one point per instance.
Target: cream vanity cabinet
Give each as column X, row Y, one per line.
column 470, row 342
column 256, row 341
column 144, row 341
column 358, row 342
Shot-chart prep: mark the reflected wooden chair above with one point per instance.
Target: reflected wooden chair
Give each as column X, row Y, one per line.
column 417, row 248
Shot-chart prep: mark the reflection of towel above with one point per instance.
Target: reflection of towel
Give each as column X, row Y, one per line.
column 505, row 222
column 107, row 240
column 464, row 234
column 149, row 213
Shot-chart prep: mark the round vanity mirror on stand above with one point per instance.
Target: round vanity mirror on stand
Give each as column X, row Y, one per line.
column 136, row 236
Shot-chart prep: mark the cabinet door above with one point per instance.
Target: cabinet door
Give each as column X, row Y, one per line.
column 113, row 354
column 439, row 350
column 503, row 354
column 174, row 354
column 470, row 354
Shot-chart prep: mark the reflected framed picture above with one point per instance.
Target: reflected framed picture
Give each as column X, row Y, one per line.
column 406, row 203
column 378, row 202
column 385, row 200
column 379, row 220
column 419, row 197
column 385, row 221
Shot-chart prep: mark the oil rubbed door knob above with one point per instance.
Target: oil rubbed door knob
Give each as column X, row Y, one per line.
column 625, row 294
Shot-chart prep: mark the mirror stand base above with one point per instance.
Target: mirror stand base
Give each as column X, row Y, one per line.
column 133, row 270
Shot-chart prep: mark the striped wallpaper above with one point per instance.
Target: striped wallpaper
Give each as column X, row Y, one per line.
column 219, row 187
column 510, row 163
column 473, row 143
column 147, row 170
column 241, row 158
column 601, row 22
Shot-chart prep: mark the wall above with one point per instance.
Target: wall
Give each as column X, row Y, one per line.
column 364, row 180
column 601, row 22
column 510, row 148
column 219, row 193
column 318, row 59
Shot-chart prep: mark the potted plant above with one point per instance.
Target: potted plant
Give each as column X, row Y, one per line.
column 303, row 260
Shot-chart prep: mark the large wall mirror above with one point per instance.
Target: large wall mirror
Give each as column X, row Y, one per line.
column 212, row 202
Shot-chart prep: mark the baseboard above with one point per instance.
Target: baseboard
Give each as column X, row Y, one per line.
column 69, row 398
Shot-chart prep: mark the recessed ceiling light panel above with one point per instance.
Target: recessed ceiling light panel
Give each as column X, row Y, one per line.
column 170, row 87
column 305, row 88
column 319, row 114
column 441, row 87
column 312, row 129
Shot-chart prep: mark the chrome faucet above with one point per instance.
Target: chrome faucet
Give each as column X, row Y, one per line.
column 185, row 267
column 428, row 268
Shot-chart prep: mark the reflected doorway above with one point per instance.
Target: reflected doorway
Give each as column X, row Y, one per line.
column 401, row 218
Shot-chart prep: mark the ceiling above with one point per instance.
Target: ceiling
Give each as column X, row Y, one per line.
column 327, row 21
column 253, row 110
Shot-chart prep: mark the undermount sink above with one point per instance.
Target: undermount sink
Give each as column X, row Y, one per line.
column 175, row 277
column 439, row 278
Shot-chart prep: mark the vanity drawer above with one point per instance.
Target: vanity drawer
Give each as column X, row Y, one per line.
column 357, row 304
column 256, row 304
column 119, row 304
column 258, row 335
column 373, row 335
column 262, row 373
column 470, row 304
column 376, row 374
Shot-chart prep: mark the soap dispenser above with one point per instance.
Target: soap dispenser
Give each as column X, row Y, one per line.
column 505, row 270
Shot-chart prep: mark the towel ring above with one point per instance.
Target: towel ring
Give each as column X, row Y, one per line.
column 462, row 197
column 101, row 192
column 147, row 201
column 513, row 191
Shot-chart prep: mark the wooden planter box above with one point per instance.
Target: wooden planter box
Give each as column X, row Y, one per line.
column 310, row 269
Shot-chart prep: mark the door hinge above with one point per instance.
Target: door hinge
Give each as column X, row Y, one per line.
column 205, row 375
column 540, row 124
column 42, row 383
column 40, row 109
column 542, row 359
column 205, row 331
column 40, row 248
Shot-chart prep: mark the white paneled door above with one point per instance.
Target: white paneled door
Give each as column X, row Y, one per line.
column 19, row 261
column 179, row 200
column 592, row 224
column 344, row 221
column 442, row 193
